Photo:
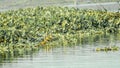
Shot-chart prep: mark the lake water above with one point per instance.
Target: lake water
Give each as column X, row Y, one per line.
column 109, row 6
column 83, row 56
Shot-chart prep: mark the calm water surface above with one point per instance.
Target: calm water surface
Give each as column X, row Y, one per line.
column 76, row 57
column 69, row 57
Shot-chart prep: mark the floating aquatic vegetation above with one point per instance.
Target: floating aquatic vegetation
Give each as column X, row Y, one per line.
column 33, row 28
column 110, row 48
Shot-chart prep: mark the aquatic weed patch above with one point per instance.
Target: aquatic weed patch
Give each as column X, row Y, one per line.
column 106, row 49
column 46, row 27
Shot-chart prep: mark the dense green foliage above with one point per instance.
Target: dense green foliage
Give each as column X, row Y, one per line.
column 30, row 28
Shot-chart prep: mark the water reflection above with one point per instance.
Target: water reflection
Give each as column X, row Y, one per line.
column 79, row 56
column 76, row 57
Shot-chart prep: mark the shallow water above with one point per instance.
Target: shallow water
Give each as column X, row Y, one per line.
column 67, row 57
